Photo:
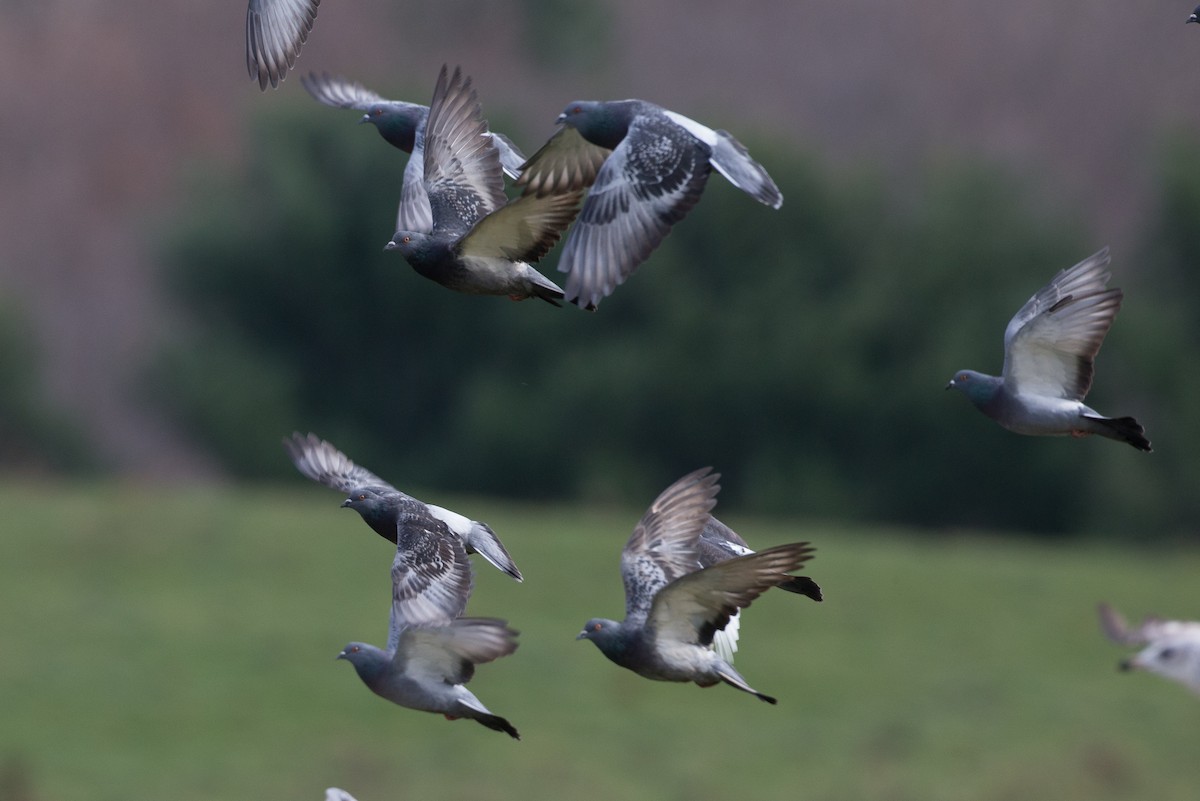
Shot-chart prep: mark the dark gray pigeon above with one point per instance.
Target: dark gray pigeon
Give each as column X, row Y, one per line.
column 1170, row 648
column 646, row 167
column 403, row 126
column 1195, row 17
column 480, row 243
column 275, row 32
column 1049, row 348
column 672, row 610
column 386, row 509
column 430, row 657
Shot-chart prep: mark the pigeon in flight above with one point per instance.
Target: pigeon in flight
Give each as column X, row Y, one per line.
column 1049, row 349
column 480, row 243
column 275, row 32
column 673, row 609
column 1170, row 648
column 403, row 126
column 646, row 167
column 387, row 510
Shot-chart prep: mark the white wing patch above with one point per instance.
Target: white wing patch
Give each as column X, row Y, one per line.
column 725, row 641
column 457, row 523
column 702, row 132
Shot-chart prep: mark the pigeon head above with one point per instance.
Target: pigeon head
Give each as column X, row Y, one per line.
column 368, row 502
column 1173, row 658
column 395, row 123
column 411, row 244
column 369, row 662
column 980, row 388
column 606, row 634
column 603, row 124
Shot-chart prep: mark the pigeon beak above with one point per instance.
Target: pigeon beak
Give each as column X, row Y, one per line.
column 581, row 635
column 365, row 118
column 390, row 245
column 563, row 117
column 346, row 503
column 1193, row 18
column 950, row 384
column 342, row 655
column 1126, row 665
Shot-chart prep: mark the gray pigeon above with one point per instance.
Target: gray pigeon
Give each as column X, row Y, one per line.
column 387, row 510
column 1170, row 648
column 672, row 610
column 275, row 31
column 480, row 243
column 403, row 126
column 1049, row 348
column 646, row 167
column 431, row 652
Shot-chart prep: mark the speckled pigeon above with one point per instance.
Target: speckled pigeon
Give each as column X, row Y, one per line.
column 386, row 509
column 480, row 243
column 672, row 610
column 1170, row 648
column 646, row 167
column 718, row 543
column 275, row 31
column 403, row 126
column 431, row 652
column 1049, row 349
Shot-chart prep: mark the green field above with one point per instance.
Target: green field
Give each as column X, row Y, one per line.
column 166, row 644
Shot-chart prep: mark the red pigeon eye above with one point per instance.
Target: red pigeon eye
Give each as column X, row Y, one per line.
column 406, row 239
column 362, row 497
column 596, row 627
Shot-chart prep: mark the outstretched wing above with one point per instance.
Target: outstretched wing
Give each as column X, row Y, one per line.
column 524, row 229
column 431, row 577
column 449, row 653
column 275, row 31
column 695, row 606
column 463, row 175
column 1051, row 342
column 339, row 92
column 663, row 544
column 566, row 162
column 325, row 464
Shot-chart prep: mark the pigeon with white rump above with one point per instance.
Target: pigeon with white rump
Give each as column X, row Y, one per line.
column 672, row 608
column 647, row 168
column 1049, row 349
column 386, row 509
column 402, row 125
column 480, row 243
column 1170, row 648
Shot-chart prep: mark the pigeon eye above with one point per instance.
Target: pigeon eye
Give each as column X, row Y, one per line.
column 376, row 112
column 963, row 377
column 362, row 497
column 406, row 239
column 596, row 627
column 577, row 110
column 354, row 650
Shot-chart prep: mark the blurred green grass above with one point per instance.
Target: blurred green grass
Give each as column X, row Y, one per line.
column 180, row 644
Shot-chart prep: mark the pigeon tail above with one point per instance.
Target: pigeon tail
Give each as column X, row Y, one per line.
column 1122, row 429
column 725, row 641
column 470, row 707
column 542, row 287
column 732, row 159
column 734, row 679
column 802, row 585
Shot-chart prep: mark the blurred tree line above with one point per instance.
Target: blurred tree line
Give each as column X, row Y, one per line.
column 801, row 352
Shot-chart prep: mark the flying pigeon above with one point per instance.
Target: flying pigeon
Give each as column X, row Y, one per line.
column 1049, row 347
column 387, row 510
column 646, row 167
column 275, row 32
column 1170, row 648
column 403, row 126
column 425, row 667
column 718, row 543
column 1195, row 17
column 673, row 609
column 480, row 243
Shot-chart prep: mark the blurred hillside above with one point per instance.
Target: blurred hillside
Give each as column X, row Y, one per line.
column 112, row 110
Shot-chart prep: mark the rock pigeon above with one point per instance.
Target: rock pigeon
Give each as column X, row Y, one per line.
column 718, row 543
column 275, row 31
column 1049, row 348
column 403, row 126
column 480, row 243
column 672, row 609
column 1195, row 17
column 1171, row 648
column 646, row 167
column 387, row 510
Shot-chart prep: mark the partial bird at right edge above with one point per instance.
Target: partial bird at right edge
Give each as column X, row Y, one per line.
column 1195, row 17
column 1049, row 349
column 672, row 609
column 647, row 168
column 1170, row 648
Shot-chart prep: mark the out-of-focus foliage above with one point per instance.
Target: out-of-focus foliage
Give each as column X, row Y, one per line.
column 33, row 434
column 802, row 352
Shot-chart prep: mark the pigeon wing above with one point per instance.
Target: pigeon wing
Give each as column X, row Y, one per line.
column 275, row 32
column 693, row 607
column 339, row 92
column 663, row 544
column 524, row 229
column 463, row 175
column 1051, row 343
column 325, row 464
column 431, row 577
column 567, row 161
column 448, row 654
column 649, row 183
column 511, row 158
column 414, row 213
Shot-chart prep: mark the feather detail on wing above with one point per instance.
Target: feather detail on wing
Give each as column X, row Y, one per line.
column 275, row 32
column 524, row 230
column 449, row 653
column 322, row 462
column 339, row 92
column 567, row 161
column 1050, row 344
column 431, row 577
